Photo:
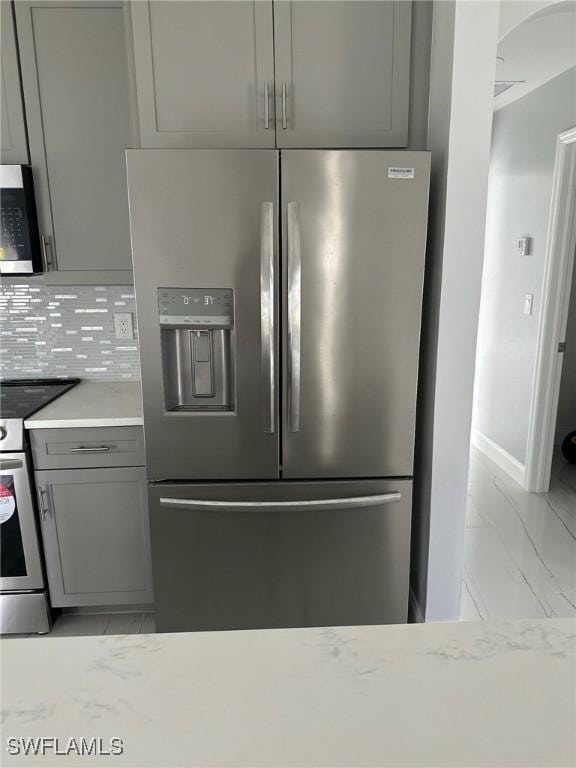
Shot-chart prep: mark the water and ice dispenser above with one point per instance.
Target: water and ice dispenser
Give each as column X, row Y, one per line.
column 197, row 330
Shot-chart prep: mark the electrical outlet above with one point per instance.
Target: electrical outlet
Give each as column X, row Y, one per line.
column 123, row 325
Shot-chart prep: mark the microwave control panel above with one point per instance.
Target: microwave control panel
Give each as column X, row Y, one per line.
column 198, row 307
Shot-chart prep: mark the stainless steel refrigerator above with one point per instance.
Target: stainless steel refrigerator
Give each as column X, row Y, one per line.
column 279, row 305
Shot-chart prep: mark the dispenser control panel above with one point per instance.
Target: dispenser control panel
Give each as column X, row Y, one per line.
column 199, row 307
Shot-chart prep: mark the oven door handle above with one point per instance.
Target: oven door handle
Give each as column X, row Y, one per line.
column 11, row 464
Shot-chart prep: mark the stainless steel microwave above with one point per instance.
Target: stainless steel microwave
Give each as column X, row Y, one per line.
column 20, row 252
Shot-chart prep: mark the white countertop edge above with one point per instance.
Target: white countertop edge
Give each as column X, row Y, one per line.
column 128, row 421
column 92, row 404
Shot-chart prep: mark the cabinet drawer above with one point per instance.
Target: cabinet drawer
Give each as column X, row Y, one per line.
column 88, row 447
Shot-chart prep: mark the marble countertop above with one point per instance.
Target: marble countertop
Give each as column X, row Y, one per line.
column 462, row 694
column 92, row 404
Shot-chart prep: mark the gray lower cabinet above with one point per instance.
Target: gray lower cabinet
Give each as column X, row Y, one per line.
column 342, row 72
column 13, row 146
column 75, row 75
column 205, row 72
column 96, row 536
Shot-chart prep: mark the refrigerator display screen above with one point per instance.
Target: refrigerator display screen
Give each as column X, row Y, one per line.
column 196, row 306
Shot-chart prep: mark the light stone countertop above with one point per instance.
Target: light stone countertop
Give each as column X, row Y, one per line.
column 92, row 404
column 448, row 694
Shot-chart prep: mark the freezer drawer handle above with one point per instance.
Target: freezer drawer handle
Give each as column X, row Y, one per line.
column 11, row 464
column 284, row 506
column 294, row 314
column 267, row 315
column 91, row 449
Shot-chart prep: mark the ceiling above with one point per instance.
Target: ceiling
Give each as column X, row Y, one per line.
column 537, row 50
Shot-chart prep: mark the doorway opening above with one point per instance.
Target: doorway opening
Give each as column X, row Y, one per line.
column 520, row 541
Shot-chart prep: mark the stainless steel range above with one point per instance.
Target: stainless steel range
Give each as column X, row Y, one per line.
column 24, row 605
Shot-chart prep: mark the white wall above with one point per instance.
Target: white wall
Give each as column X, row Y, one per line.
column 464, row 36
column 514, row 12
column 566, row 421
column 520, row 186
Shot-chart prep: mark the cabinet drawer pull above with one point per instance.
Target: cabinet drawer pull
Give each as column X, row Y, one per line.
column 43, row 503
column 91, row 449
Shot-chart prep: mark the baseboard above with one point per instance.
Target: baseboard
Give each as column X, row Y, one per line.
column 507, row 463
column 92, row 609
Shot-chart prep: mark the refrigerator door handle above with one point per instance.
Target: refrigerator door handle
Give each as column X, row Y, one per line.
column 294, row 315
column 267, row 315
column 313, row 505
column 266, row 106
column 284, row 106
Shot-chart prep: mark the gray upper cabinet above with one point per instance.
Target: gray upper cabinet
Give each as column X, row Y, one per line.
column 257, row 73
column 75, row 74
column 342, row 73
column 13, row 146
column 203, row 71
column 96, row 536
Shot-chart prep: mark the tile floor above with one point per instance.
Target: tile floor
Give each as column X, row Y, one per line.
column 520, row 548
column 77, row 624
column 519, row 562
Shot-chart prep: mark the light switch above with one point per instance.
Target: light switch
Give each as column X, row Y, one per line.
column 524, row 246
column 528, row 303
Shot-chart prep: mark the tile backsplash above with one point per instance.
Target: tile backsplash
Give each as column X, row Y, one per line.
column 65, row 331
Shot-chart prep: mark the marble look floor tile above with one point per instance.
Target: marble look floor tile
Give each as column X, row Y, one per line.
column 124, row 623
column 533, row 538
column 148, row 625
column 493, row 575
column 75, row 625
column 91, row 624
column 470, row 608
column 549, row 538
column 473, row 517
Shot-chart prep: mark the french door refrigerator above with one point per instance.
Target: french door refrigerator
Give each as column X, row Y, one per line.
column 279, row 304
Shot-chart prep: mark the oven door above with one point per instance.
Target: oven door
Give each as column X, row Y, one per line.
column 20, row 563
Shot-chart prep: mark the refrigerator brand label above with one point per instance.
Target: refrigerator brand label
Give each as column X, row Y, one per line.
column 400, row 173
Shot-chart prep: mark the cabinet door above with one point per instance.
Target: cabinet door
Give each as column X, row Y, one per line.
column 342, row 72
column 75, row 77
column 96, row 536
column 203, row 70
column 13, row 147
